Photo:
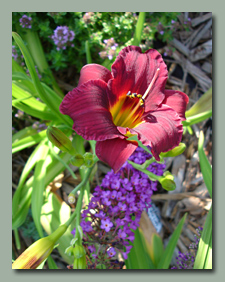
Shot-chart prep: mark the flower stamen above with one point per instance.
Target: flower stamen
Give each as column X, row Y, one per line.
column 151, row 84
column 135, row 95
column 128, row 121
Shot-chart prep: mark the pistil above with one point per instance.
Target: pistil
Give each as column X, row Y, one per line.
column 151, row 84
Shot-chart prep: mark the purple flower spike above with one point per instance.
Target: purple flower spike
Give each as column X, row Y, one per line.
column 63, row 37
column 115, row 210
column 26, row 21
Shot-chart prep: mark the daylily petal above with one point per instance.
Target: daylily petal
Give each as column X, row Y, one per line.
column 133, row 71
column 94, row 71
column 162, row 130
column 177, row 100
column 88, row 105
column 115, row 152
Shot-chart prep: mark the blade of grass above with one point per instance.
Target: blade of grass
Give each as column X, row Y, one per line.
column 167, row 255
column 27, row 131
column 54, row 168
column 23, row 97
column 28, row 141
column 203, row 104
column 204, row 252
column 37, row 198
column 55, row 213
column 34, row 157
column 138, row 258
column 157, row 248
column 205, row 166
column 208, row 259
column 49, row 101
column 60, row 160
column 24, row 82
column 51, row 263
column 17, row 239
column 197, row 118
column 37, row 52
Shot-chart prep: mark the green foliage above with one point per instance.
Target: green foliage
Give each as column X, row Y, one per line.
column 94, row 27
column 28, row 228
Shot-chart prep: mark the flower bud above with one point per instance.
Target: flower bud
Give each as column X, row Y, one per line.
column 80, row 263
column 77, row 160
column 175, row 151
column 203, row 104
column 100, row 266
column 60, row 140
column 78, row 251
column 167, row 181
column 71, row 199
column 33, row 256
column 88, row 159
column 69, row 250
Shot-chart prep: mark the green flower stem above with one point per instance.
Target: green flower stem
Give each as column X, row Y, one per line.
column 85, row 179
column 150, row 174
column 17, row 239
column 147, row 163
column 88, row 53
column 79, row 206
column 36, row 50
column 139, row 27
column 70, row 220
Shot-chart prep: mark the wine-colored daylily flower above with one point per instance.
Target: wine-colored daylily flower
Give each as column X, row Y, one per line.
column 110, row 107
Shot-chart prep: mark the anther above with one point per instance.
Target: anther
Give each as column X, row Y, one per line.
column 133, row 95
column 142, row 102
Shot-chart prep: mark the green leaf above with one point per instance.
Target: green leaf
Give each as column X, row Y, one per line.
column 16, row 67
column 26, row 103
column 208, row 259
column 17, row 239
column 23, row 81
column 167, row 255
column 33, row 159
column 55, row 213
column 138, row 258
column 28, row 141
column 37, row 197
column 49, row 101
column 157, row 248
column 21, row 214
column 54, row 168
column 59, row 159
column 205, row 166
column 197, row 118
column 51, row 263
column 203, row 258
column 38, row 55
column 138, row 31
column 27, row 131
column 203, row 104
